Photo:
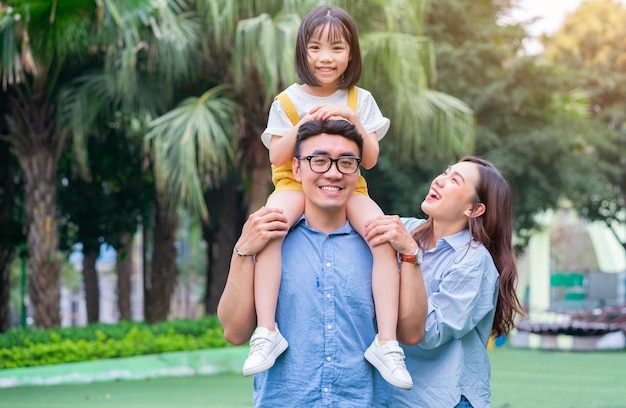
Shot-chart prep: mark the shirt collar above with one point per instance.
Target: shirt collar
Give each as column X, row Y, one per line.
column 345, row 230
column 457, row 241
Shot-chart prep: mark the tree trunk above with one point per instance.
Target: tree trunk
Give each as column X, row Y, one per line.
column 159, row 283
column 5, row 262
column 44, row 260
column 230, row 222
column 37, row 145
column 124, row 267
column 209, row 235
column 10, row 231
column 255, row 156
column 92, row 287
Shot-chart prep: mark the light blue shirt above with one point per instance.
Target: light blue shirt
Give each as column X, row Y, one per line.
column 451, row 360
column 326, row 313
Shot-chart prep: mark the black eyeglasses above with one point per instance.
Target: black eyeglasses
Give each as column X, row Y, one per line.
column 322, row 163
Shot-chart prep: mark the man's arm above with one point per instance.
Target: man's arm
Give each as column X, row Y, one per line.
column 235, row 310
column 413, row 307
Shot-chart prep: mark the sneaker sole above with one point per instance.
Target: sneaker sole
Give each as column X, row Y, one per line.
column 269, row 363
column 385, row 373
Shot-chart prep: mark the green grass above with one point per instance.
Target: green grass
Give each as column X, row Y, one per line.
column 520, row 379
column 220, row 391
column 535, row 378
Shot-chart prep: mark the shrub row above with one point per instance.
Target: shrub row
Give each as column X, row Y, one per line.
column 27, row 348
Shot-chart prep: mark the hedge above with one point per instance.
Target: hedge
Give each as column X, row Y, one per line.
column 29, row 347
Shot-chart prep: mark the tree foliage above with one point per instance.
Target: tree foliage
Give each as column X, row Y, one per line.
column 592, row 45
column 532, row 115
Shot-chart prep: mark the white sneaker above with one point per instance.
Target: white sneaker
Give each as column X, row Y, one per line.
column 265, row 347
column 389, row 361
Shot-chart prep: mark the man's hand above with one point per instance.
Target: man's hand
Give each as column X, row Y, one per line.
column 261, row 227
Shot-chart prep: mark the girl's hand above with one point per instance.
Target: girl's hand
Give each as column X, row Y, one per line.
column 389, row 228
column 306, row 118
column 327, row 111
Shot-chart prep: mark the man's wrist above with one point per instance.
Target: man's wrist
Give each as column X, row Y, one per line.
column 241, row 254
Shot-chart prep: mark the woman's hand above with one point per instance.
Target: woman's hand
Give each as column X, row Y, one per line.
column 389, row 228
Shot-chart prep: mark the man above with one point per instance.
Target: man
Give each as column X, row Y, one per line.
column 325, row 306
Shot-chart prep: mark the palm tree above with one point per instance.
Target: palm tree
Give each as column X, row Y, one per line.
column 251, row 46
column 143, row 84
column 44, row 45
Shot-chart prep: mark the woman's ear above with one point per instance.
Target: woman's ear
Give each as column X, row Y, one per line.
column 478, row 210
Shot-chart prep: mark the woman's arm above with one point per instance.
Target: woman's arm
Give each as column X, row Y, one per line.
column 235, row 310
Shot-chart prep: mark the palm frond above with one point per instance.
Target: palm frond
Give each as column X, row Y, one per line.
column 266, row 45
column 79, row 106
column 10, row 64
column 161, row 42
column 191, row 143
column 574, row 103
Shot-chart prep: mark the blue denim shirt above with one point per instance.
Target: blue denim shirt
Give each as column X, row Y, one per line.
column 326, row 313
column 451, row 360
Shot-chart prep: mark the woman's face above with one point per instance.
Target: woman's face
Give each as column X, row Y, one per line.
column 452, row 194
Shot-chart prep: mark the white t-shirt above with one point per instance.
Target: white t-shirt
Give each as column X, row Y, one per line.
column 367, row 110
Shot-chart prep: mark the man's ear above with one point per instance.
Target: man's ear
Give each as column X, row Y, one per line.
column 295, row 167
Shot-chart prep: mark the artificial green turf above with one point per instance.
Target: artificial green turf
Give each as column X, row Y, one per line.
column 520, row 378
column 556, row 379
column 220, row 391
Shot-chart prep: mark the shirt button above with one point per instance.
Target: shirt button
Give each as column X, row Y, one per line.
column 329, row 326
column 328, row 264
column 329, row 358
column 328, row 296
column 325, row 389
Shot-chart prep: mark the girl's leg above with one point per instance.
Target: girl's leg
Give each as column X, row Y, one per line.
column 268, row 266
column 384, row 353
column 385, row 276
column 267, row 343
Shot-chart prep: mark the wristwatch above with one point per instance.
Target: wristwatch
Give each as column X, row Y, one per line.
column 410, row 258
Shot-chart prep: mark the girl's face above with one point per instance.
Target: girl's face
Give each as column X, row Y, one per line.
column 452, row 195
column 328, row 56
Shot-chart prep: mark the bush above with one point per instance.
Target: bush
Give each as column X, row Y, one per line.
column 27, row 347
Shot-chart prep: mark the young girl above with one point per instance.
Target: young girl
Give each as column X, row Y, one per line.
column 469, row 271
column 328, row 61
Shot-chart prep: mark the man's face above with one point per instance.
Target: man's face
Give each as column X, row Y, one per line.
column 331, row 190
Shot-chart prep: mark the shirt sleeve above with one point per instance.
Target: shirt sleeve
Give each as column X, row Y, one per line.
column 277, row 123
column 370, row 115
column 459, row 300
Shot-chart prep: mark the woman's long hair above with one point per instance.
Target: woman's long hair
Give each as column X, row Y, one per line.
column 493, row 229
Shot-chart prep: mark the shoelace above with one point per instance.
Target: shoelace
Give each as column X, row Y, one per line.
column 397, row 357
column 257, row 344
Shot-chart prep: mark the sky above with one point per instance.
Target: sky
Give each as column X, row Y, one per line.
column 551, row 14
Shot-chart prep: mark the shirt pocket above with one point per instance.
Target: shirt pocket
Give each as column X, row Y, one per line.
column 357, row 290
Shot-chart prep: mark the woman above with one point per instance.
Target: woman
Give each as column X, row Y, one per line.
column 469, row 271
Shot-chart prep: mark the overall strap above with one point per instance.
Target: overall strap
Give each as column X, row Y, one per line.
column 352, row 97
column 290, row 109
column 292, row 112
